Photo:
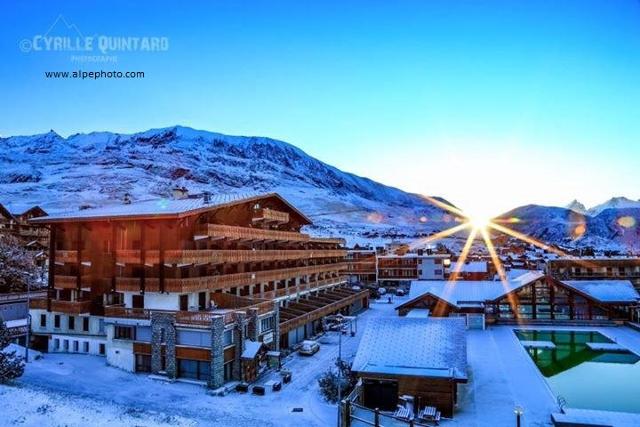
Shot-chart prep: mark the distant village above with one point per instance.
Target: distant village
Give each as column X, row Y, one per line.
column 224, row 290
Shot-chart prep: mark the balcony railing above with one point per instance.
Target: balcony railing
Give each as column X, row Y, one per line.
column 271, row 215
column 127, row 313
column 71, row 307
column 70, row 282
column 214, row 256
column 38, row 303
column 246, row 233
column 66, row 256
column 132, row 284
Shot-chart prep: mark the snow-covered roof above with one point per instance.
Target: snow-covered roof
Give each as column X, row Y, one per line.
column 465, row 292
column 414, row 255
column 162, row 207
column 251, row 349
column 429, row 347
column 471, row 267
column 607, row 291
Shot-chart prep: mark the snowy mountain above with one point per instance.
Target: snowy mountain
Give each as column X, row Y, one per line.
column 99, row 168
column 614, row 203
column 578, row 207
column 613, row 228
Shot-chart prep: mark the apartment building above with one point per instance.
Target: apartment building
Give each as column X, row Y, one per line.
column 396, row 270
column 362, row 266
column 189, row 287
column 34, row 237
column 596, row 268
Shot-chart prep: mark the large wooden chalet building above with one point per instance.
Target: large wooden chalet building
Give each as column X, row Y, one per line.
column 198, row 288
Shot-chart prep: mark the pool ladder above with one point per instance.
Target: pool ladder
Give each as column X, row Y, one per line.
column 562, row 402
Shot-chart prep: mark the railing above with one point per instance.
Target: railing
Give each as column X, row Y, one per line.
column 226, row 280
column 71, row 307
column 267, row 214
column 133, row 284
column 22, row 296
column 328, row 240
column 38, row 303
column 234, row 232
column 202, row 318
column 66, row 256
column 70, row 282
column 200, row 256
column 126, row 313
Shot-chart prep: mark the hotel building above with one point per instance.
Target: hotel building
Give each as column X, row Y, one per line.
column 191, row 287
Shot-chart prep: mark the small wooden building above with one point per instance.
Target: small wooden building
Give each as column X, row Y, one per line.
column 423, row 358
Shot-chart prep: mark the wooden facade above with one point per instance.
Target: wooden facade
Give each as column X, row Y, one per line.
column 546, row 299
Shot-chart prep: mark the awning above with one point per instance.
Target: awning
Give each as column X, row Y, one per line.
column 251, row 349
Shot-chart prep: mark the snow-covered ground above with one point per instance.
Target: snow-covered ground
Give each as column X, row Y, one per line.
column 79, row 390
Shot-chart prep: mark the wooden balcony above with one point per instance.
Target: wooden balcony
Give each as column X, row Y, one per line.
column 246, row 233
column 194, row 284
column 122, row 312
column 202, row 318
column 66, row 256
column 38, row 303
column 328, row 240
column 71, row 282
column 133, row 284
column 71, row 307
column 270, row 215
column 215, row 256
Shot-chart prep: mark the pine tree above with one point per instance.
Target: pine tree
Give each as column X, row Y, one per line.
column 11, row 365
column 17, row 269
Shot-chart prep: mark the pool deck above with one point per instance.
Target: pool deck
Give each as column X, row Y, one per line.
column 502, row 376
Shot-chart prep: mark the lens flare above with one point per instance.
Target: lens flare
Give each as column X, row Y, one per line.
column 627, row 221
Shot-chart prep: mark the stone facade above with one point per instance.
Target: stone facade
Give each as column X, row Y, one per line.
column 253, row 328
column 163, row 332
column 238, row 339
column 216, row 378
column 275, row 345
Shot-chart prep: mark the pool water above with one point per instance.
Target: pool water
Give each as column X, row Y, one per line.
column 584, row 378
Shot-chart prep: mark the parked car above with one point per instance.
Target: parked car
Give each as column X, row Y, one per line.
column 309, row 348
column 400, row 292
column 381, row 291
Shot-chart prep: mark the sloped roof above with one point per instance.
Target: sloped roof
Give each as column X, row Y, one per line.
column 463, row 292
column 163, row 208
column 607, row 291
column 428, row 347
column 471, row 267
column 5, row 212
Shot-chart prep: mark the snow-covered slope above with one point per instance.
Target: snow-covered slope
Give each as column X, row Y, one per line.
column 99, row 168
column 614, row 203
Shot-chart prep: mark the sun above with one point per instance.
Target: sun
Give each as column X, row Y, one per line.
column 479, row 222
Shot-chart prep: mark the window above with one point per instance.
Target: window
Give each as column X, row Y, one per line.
column 193, row 369
column 56, row 344
column 102, row 350
column 85, row 346
column 437, row 272
column 124, row 332
column 143, row 363
column 85, row 324
column 72, row 322
column 184, row 302
column 75, row 346
column 228, row 338
column 56, row 321
column 43, row 320
column 137, row 301
column 266, row 324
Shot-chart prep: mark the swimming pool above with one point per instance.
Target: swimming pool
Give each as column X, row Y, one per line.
column 583, row 375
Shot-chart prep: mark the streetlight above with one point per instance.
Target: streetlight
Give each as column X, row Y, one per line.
column 340, row 321
column 519, row 411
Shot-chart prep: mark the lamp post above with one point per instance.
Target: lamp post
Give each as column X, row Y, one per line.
column 519, row 411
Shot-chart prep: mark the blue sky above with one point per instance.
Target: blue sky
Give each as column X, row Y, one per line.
column 490, row 104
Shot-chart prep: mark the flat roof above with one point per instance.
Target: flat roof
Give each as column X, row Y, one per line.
column 427, row 347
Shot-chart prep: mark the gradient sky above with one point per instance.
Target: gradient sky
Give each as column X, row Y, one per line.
column 491, row 104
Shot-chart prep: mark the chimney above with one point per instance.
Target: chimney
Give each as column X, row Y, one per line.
column 180, row 193
column 207, row 197
column 127, row 199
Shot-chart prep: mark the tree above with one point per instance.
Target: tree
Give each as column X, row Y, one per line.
column 330, row 381
column 17, row 269
column 11, row 365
